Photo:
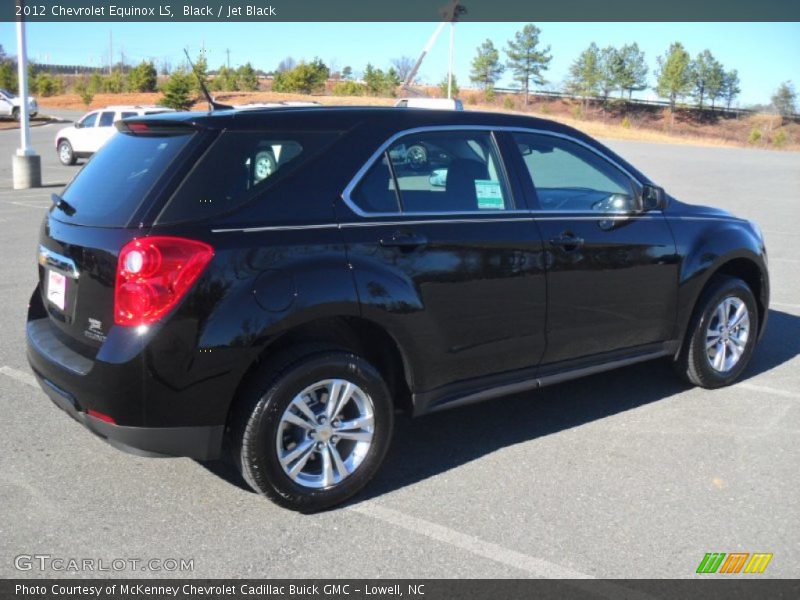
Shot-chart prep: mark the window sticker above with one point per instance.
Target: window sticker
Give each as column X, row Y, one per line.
column 490, row 194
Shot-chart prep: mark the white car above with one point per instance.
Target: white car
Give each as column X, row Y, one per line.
column 94, row 129
column 10, row 103
column 432, row 103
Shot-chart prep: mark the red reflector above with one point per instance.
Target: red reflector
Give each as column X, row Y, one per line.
column 153, row 274
column 101, row 416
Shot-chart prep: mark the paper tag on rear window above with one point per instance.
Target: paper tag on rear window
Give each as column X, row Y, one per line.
column 490, row 194
column 57, row 289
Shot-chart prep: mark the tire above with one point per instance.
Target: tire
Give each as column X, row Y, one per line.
column 66, row 154
column 15, row 113
column 712, row 367
column 259, row 434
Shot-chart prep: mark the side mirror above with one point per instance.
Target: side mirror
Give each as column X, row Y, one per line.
column 653, row 197
column 78, row 125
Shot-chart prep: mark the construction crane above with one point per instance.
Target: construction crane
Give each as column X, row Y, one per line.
column 450, row 14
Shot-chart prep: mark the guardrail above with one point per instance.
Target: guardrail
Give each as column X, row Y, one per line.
column 635, row 101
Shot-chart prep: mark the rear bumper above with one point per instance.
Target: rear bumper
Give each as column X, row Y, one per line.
column 200, row 443
column 77, row 384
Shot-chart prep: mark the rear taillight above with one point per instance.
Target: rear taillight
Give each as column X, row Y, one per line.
column 153, row 274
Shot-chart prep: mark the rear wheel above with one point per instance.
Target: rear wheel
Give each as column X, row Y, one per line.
column 312, row 430
column 721, row 336
column 65, row 153
column 15, row 113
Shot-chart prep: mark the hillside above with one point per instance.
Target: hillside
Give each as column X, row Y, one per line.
column 618, row 120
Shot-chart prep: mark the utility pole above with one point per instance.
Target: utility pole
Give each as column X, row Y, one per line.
column 228, row 52
column 110, row 52
column 26, row 164
column 450, row 64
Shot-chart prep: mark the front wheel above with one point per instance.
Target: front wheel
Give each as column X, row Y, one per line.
column 65, row 153
column 311, row 432
column 721, row 335
column 15, row 113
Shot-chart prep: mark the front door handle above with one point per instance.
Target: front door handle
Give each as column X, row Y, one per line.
column 404, row 239
column 567, row 241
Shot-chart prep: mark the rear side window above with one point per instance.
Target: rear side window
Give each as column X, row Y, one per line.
column 238, row 167
column 106, row 119
column 112, row 185
column 436, row 172
column 126, row 114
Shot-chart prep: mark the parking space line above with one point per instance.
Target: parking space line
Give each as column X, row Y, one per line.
column 511, row 558
column 768, row 390
column 21, row 376
column 784, row 305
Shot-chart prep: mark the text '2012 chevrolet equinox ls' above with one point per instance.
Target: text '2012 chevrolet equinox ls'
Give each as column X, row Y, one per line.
column 276, row 282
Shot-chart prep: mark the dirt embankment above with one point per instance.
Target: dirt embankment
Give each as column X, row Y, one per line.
column 616, row 120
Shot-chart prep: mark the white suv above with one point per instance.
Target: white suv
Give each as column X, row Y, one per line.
column 10, row 103
column 89, row 134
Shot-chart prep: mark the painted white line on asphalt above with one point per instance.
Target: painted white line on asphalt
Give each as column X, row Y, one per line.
column 20, row 376
column 34, row 206
column 510, row 558
column 780, row 259
column 768, row 390
column 784, row 305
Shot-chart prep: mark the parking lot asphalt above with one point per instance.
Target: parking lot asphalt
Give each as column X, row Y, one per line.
column 625, row 474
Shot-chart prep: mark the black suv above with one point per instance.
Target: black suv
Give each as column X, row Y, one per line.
column 273, row 284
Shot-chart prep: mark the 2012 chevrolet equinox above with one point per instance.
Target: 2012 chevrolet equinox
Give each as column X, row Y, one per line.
column 277, row 282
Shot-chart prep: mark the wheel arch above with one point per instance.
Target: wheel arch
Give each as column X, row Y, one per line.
column 354, row 333
column 743, row 264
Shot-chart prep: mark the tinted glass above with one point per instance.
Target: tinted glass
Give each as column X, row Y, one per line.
column 106, row 119
column 376, row 192
column 437, row 172
column 570, row 177
column 125, row 115
column 112, row 185
column 89, row 120
column 239, row 166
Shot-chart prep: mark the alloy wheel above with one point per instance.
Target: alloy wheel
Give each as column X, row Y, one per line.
column 325, row 433
column 727, row 334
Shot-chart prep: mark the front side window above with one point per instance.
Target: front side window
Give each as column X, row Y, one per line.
column 436, row 172
column 89, row 120
column 238, row 166
column 569, row 177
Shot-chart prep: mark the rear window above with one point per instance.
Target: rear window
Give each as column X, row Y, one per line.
column 112, row 185
column 241, row 166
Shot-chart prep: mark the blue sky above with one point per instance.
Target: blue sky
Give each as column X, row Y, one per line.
column 764, row 53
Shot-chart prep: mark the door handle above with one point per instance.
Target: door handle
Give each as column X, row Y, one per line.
column 568, row 241
column 400, row 239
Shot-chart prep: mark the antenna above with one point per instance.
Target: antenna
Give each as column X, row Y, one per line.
column 212, row 104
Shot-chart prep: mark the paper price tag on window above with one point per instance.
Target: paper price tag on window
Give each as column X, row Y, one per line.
column 490, row 194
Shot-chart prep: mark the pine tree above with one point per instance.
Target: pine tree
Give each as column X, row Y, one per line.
column 584, row 73
column 486, row 66
column 178, row 91
column 674, row 76
column 730, row 87
column 526, row 59
column 784, row 99
column 632, row 76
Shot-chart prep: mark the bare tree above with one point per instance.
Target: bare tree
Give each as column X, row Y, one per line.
column 403, row 66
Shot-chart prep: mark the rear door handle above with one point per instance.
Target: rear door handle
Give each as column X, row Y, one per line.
column 401, row 239
column 567, row 240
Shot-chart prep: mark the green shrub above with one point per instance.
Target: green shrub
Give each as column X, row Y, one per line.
column 305, row 78
column 577, row 112
column 46, row 85
column 780, row 138
column 143, row 78
column 626, row 123
column 755, row 136
column 178, row 91
column 489, row 95
column 116, row 83
column 472, row 99
column 349, row 88
column 508, row 103
column 84, row 91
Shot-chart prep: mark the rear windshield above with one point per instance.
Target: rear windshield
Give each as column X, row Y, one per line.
column 240, row 166
column 112, row 185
